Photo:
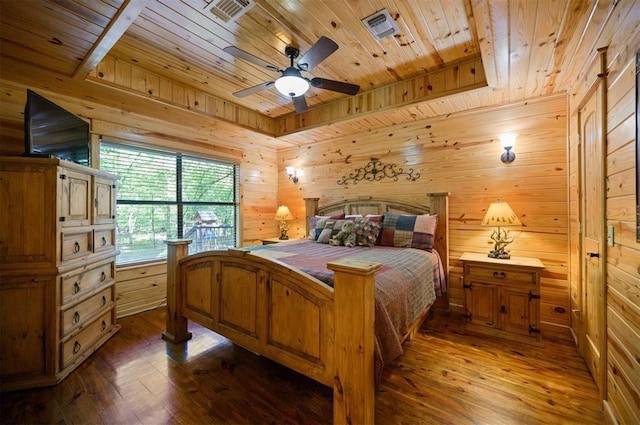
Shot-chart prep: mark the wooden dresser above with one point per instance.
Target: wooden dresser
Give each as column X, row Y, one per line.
column 57, row 268
column 502, row 297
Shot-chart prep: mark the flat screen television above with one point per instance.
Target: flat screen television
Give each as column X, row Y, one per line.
column 51, row 131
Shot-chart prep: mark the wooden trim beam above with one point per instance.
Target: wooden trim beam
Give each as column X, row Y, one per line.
column 461, row 76
column 457, row 77
column 110, row 36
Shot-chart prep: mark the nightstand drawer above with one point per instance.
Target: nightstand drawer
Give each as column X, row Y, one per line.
column 495, row 274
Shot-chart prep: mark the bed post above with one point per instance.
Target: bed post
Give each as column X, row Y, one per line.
column 439, row 204
column 176, row 324
column 310, row 207
column 354, row 307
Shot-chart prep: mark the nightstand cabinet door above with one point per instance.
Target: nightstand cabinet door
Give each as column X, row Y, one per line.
column 482, row 304
column 516, row 308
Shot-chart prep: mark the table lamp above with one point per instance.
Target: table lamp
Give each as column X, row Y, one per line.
column 500, row 215
column 283, row 214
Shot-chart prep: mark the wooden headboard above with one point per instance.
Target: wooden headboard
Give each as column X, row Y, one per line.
column 436, row 204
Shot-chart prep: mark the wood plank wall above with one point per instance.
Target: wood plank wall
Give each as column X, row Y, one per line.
column 621, row 36
column 460, row 154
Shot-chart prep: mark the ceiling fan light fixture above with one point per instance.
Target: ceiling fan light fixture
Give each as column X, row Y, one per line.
column 292, row 85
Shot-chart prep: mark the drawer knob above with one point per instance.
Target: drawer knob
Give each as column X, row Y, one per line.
column 103, row 241
column 103, row 277
column 76, row 247
column 593, row 254
column 104, row 326
column 104, row 300
column 76, row 317
column 76, row 347
column 76, row 287
column 500, row 275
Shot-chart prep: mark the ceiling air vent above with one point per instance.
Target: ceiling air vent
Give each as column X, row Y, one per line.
column 381, row 25
column 229, row 10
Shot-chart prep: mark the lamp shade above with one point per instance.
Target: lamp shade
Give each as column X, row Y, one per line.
column 500, row 214
column 292, row 83
column 283, row 213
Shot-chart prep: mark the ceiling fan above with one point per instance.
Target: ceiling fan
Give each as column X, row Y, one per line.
column 291, row 83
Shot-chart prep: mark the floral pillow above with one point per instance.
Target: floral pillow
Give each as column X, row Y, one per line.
column 367, row 232
column 410, row 231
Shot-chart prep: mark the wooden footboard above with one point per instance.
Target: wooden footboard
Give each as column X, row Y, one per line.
column 285, row 315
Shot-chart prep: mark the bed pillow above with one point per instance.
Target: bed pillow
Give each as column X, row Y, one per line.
column 331, row 228
column 409, row 231
column 367, row 232
column 316, row 224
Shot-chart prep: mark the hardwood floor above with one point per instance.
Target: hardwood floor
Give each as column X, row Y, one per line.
column 444, row 377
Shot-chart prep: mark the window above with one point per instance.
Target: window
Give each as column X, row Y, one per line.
column 164, row 195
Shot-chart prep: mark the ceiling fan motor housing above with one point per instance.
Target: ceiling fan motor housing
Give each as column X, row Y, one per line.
column 291, row 52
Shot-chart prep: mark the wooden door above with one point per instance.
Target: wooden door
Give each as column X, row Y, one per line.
column 592, row 337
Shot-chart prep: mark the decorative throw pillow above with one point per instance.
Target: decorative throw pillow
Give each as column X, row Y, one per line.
column 367, row 232
column 410, row 231
column 316, row 224
column 331, row 228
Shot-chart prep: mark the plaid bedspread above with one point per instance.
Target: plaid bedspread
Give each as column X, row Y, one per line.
column 406, row 284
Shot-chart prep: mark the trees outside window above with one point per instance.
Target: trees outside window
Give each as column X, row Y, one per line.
column 168, row 195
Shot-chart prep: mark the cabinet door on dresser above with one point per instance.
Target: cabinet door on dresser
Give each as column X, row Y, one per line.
column 75, row 194
column 105, row 200
column 27, row 329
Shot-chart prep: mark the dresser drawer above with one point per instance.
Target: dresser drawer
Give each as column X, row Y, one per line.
column 76, row 244
column 79, row 314
column 75, row 284
column 103, row 240
column 84, row 340
column 497, row 274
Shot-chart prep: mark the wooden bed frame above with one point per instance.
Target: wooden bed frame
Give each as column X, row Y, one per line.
column 290, row 317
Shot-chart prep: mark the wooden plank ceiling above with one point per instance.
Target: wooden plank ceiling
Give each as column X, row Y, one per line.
column 448, row 56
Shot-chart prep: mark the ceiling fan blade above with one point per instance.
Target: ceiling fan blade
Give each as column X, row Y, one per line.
column 323, row 48
column 254, row 89
column 333, row 85
column 300, row 103
column 241, row 54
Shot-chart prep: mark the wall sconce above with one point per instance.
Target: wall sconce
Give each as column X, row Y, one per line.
column 283, row 214
column 291, row 172
column 508, row 141
column 499, row 215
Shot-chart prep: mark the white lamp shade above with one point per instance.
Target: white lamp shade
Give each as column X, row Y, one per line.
column 500, row 214
column 292, row 86
column 283, row 213
column 291, row 171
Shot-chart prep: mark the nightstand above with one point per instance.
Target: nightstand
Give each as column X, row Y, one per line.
column 502, row 297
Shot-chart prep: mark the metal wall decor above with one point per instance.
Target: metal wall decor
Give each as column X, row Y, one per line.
column 376, row 171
